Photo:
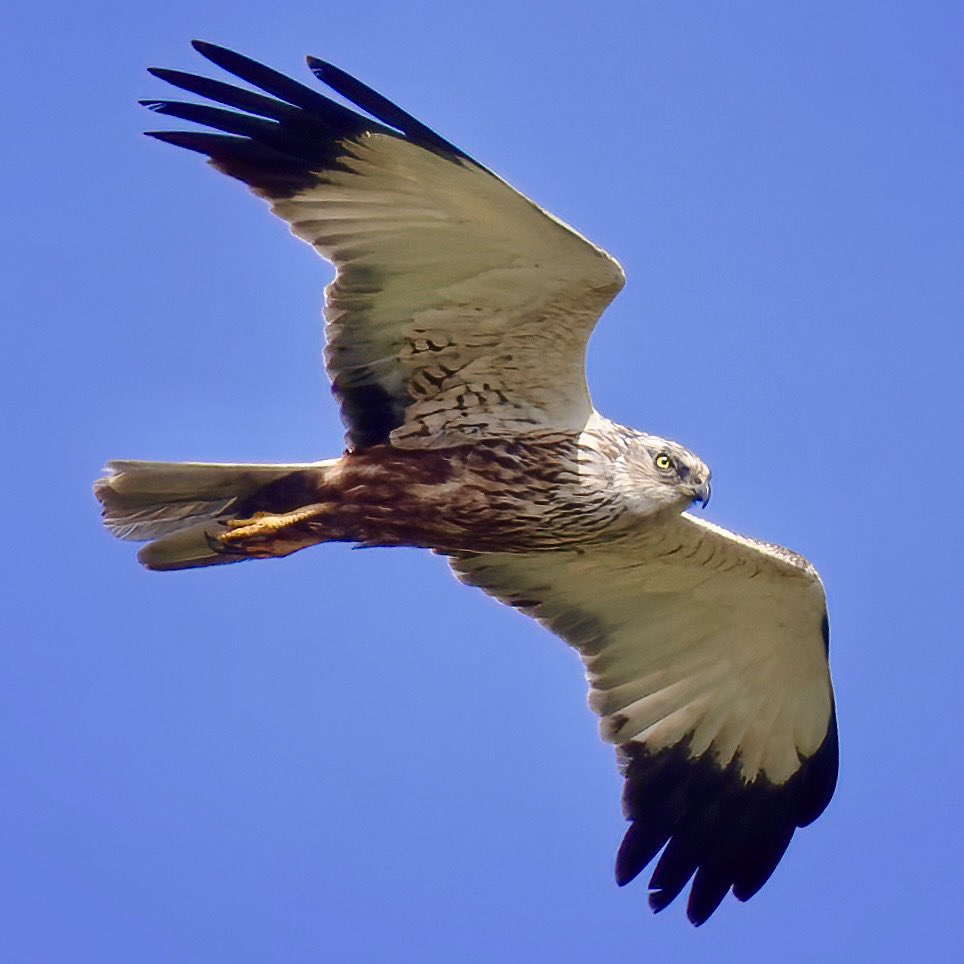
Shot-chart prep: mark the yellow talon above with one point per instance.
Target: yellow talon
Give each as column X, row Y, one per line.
column 266, row 524
column 238, row 523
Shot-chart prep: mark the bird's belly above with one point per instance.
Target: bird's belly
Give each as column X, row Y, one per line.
column 513, row 495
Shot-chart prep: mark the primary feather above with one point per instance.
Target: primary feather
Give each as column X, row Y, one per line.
column 456, row 332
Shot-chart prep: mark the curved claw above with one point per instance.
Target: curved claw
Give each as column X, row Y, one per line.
column 215, row 544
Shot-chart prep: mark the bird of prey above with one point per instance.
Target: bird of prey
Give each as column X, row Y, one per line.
column 456, row 330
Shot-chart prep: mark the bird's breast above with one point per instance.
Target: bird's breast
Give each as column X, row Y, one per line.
column 518, row 494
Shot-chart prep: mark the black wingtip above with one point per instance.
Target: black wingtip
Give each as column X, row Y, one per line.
column 224, row 57
column 164, row 137
column 324, row 70
column 380, row 107
column 659, row 900
column 640, row 844
column 317, row 66
column 168, row 137
column 704, row 901
column 199, row 143
column 166, row 74
column 732, row 834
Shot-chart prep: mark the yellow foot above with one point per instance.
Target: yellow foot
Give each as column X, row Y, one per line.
column 265, row 525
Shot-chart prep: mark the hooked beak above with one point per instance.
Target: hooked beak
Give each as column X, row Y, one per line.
column 701, row 493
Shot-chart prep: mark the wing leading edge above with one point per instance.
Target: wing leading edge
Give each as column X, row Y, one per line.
column 706, row 656
column 460, row 310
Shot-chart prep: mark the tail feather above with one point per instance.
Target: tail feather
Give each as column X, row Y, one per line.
column 180, row 505
column 188, row 548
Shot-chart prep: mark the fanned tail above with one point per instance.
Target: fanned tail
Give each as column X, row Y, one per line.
column 181, row 506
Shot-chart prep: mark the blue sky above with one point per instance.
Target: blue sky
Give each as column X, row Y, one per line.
column 346, row 756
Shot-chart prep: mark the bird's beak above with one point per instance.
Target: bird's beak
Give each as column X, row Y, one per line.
column 701, row 493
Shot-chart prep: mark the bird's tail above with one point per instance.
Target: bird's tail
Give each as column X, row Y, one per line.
column 181, row 507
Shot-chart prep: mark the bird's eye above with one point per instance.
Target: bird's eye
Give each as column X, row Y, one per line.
column 663, row 461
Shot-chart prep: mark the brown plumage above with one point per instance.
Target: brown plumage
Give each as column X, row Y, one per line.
column 456, row 333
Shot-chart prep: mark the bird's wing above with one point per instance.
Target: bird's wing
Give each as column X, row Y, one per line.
column 459, row 308
column 706, row 656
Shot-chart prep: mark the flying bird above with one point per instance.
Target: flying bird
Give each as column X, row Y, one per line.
column 456, row 330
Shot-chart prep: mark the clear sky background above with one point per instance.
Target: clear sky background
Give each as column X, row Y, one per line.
column 345, row 756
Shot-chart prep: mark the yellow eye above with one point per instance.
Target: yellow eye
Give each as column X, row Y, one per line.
column 663, row 461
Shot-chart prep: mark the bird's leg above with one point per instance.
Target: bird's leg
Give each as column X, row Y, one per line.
column 267, row 525
column 264, row 535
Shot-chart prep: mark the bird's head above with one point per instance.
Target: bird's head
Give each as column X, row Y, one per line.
column 658, row 475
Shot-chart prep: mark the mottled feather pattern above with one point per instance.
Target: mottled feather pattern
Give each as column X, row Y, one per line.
column 423, row 239
column 725, row 731
column 530, row 492
column 456, row 329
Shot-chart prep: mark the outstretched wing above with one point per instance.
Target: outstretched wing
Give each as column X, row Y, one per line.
column 459, row 309
column 706, row 655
